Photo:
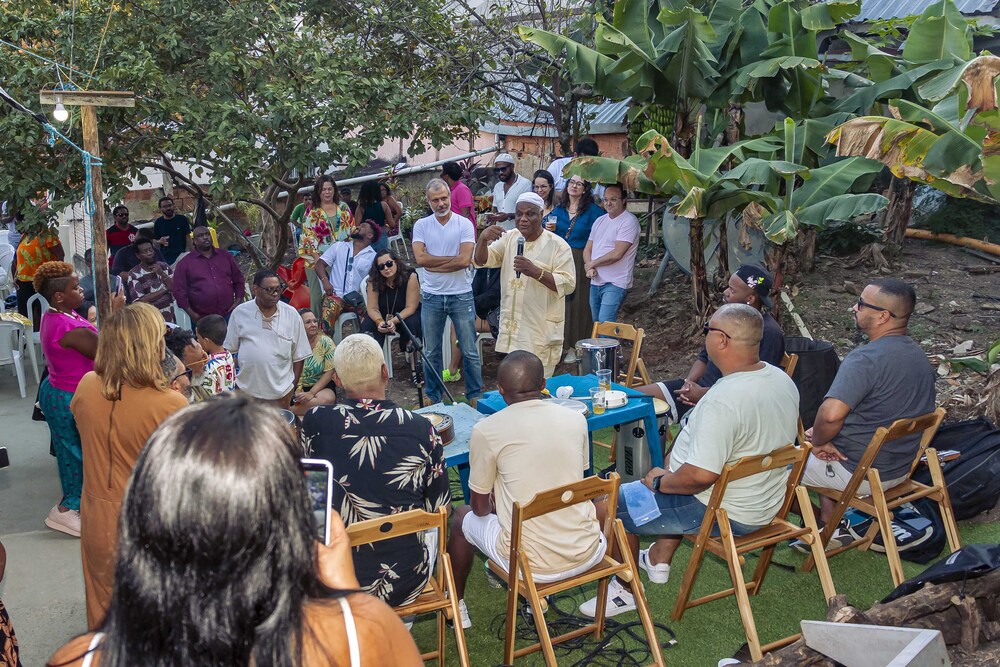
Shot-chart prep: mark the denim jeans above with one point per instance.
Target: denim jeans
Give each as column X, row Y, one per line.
column 679, row 515
column 605, row 300
column 435, row 309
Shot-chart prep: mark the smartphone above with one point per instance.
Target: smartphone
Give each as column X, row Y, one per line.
column 4, row 460
column 319, row 480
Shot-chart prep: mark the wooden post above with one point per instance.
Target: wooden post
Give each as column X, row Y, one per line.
column 91, row 144
column 87, row 101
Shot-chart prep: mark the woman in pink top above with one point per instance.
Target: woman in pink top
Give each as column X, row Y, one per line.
column 69, row 343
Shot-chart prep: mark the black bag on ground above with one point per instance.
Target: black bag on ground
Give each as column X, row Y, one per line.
column 917, row 528
column 973, row 479
column 969, row 562
column 814, row 373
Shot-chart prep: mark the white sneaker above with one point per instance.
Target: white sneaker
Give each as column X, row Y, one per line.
column 464, row 611
column 619, row 601
column 659, row 573
column 570, row 356
column 65, row 522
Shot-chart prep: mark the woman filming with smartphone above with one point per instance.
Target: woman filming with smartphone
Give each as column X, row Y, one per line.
column 218, row 562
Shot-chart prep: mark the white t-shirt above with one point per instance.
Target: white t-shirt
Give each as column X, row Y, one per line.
column 265, row 355
column 339, row 256
column 507, row 202
column 743, row 414
column 445, row 241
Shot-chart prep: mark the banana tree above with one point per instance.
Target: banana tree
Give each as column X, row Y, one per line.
column 803, row 197
column 952, row 146
column 704, row 192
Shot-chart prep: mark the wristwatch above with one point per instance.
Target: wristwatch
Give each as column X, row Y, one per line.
column 656, row 483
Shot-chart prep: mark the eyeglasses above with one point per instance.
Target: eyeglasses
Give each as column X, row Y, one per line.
column 499, row 169
column 544, row 186
column 705, row 329
column 577, row 183
column 386, row 265
column 188, row 373
column 864, row 304
column 271, row 290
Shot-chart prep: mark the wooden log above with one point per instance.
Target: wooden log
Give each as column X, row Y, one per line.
column 91, row 143
column 990, row 631
column 968, row 611
column 933, row 598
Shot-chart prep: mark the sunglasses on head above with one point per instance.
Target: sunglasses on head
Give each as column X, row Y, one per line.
column 386, row 265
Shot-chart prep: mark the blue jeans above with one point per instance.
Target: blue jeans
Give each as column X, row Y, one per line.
column 435, row 309
column 605, row 300
column 679, row 515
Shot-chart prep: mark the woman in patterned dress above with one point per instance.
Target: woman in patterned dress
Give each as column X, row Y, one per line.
column 328, row 220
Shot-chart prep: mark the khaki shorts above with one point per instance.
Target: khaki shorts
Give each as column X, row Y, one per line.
column 817, row 473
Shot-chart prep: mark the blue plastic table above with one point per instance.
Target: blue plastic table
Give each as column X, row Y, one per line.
column 456, row 452
column 639, row 407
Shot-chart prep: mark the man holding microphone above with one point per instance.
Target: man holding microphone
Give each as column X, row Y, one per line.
column 536, row 274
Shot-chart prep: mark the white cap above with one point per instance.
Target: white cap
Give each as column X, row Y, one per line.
column 532, row 198
column 505, row 157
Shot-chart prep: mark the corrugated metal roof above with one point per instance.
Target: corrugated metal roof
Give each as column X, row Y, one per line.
column 877, row 10
column 605, row 118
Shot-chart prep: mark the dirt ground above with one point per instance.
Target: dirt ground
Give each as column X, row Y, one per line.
column 954, row 307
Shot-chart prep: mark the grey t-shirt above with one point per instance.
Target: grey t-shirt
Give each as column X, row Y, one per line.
column 888, row 379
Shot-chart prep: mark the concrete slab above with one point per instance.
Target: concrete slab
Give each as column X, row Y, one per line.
column 43, row 585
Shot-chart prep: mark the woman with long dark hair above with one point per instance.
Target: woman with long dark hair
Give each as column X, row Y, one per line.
column 218, row 562
column 372, row 208
column 327, row 220
column 117, row 407
column 575, row 215
column 393, row 295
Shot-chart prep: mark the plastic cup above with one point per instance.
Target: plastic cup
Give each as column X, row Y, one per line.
column 550, row 223
column 597, row 397
column 604, row 379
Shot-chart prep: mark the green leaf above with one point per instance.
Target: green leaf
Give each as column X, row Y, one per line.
column 780, row 227
column 940, row 32
column 841, row 208
column 828, row 15
column 832, row 180
column 972, row 363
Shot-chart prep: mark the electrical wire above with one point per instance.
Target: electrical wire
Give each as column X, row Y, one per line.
column 100, row 44
column 623, row 644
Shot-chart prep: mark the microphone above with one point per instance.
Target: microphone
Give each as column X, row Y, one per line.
column 520, row 252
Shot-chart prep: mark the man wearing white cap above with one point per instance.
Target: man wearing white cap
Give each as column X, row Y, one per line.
column 510, row 186
column 536, row 274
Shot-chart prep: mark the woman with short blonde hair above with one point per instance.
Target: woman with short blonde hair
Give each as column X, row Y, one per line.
column 117, row 406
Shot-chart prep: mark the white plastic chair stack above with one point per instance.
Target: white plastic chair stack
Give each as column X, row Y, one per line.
column 10, row 350
column 36, row 338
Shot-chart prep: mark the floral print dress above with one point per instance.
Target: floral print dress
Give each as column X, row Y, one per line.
column 319, row 230
column 386, row 460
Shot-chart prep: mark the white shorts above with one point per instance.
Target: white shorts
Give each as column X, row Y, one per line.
column 482, row 532
column 816, row 474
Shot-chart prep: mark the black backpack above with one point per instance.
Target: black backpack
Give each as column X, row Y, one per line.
column 814, row 373
column 973, row 479
column 969, row 562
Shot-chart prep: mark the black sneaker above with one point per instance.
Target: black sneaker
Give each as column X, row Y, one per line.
column 840, row 538
column 909, row 528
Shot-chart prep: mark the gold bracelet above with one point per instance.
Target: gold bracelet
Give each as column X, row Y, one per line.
column 541, row 276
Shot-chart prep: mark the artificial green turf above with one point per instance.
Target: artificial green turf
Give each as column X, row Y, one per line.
column 709, row 632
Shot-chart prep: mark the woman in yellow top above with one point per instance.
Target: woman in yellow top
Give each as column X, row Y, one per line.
column 34, row 250
column 327, row 221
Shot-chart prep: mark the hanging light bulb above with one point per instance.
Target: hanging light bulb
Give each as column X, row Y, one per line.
column 60, row 113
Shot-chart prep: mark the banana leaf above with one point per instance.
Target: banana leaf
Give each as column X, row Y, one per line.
column 832, row 180
column 941, row 32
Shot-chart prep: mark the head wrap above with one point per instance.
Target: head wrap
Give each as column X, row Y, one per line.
column 505, row 157
column 532, row 198
column 758, row 279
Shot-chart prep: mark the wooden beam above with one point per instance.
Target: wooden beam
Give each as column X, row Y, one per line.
column 91, row 143
column 97, row 98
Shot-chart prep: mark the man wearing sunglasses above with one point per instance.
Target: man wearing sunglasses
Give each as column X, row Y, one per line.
column 510, row 185
column 878, row 383
column 751, row 284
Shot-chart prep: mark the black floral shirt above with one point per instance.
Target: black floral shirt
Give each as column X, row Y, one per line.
column 385, row 460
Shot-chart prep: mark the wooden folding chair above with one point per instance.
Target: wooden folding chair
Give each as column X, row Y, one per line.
column 731, row 548
column 788, row 364
column 881, row 502
column 554, row 500
column 438, row 595
column 634, row 374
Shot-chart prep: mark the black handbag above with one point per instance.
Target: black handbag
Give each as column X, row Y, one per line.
column 354, row 299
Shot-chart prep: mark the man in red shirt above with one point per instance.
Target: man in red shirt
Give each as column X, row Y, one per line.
column 120, row 234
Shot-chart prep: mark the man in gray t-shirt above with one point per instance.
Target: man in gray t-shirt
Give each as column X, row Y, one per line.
column 888, row 379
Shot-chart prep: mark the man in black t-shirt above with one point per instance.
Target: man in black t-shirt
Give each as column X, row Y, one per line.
column 750, row 284
column 172, row 231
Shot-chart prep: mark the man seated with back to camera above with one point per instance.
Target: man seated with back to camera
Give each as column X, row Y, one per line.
column 750, row 284
column 752, row 409
column 528, row 447
column 878, row 383
column 385, row 460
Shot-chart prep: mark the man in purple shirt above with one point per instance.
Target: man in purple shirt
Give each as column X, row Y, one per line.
column 207, row 281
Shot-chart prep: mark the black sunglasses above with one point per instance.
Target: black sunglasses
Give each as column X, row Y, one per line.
column 705, row 329
column 864, row 304
column 386, row 265
column 272, row 290
column 188, row 373
column 497, row 170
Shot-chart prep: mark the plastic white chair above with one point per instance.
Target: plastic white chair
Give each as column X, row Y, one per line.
column 10, row 350
column 181, row 318
column 36, row 337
